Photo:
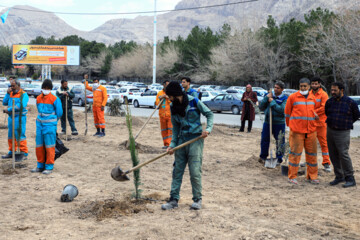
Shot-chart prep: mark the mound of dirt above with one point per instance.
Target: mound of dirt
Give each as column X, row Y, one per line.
column 137, row 122
column 111, row 208
column 142, row 148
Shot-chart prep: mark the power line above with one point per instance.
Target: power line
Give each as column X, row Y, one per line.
column 132, row 13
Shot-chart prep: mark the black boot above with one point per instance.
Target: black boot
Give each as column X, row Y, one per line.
column 242, row 126
column 350, row 182
column 97, row 132
column 336, row 181
column 249, row 126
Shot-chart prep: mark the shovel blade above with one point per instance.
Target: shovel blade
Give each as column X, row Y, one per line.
column 19, row 157
column 118, row 175
column 271, row 163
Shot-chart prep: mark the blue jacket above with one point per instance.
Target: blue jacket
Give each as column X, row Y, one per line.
column 277, row 108
column 8, row 102
column 49, row 111
column 192, row 92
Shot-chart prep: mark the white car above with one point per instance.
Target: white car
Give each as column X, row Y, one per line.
column 237, row 88
column 112, row 94
column 55, row 88
column 3, row 79
column 128, row 93
column 109, row 87
column 208, row 86
column 206, row 89
column 357, row 100
column 156, row 88
column 3, row 89
column 207, row 96
column 147, row 98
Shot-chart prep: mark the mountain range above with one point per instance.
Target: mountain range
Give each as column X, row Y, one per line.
column 23, row 26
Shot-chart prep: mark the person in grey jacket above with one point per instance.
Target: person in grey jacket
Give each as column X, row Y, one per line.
column 275, row 100
column 63, row 92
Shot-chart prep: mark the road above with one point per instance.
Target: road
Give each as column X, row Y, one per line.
column 219, row 118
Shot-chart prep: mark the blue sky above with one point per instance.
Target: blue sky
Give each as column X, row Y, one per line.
column 87, row 23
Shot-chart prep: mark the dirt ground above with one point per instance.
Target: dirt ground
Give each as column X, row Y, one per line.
column 241, row 199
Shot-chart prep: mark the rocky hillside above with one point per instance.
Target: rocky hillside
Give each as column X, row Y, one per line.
column 23, row 26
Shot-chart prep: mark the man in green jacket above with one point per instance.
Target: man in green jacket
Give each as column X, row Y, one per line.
column 185, row 117
column 277, row 102
column 62, row 93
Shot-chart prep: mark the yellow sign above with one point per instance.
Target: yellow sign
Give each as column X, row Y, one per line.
column 46, row 55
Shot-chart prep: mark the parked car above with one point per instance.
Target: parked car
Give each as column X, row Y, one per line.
column 140, row 85
column 102, row 82
column 157, row 88
column 207, row 96
column 112, row 94
column 3, row 79
column 206, row 89
column 260, row 94
column 226, row 102
column 112, row 83
column 357, row 100
column 128, row 93
column 3, row 89
column 108, row 87
column 35, row 92
column 29, row 89
column 194, row 86
column 221, row 88
column 147, row 98
column 237, row 88
column 288, row 92
column 208, row 86
column 55, row 88
column 80, row 95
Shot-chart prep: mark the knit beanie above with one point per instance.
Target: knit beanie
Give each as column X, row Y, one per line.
column 174, row 89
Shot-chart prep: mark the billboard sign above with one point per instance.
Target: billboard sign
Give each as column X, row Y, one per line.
column 46, row 55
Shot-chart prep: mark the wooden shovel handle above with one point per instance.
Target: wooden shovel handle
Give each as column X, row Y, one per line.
column 13, row 132
column 157, row 107
column 162, row 155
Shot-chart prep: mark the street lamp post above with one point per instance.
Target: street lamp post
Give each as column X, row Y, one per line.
column 154, row 48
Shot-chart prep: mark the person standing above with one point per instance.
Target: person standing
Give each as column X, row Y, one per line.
column 185, row 118
column 100, row 99
column 300, row 117
column 248, row 110
column 276, row 101
column 49, row 112
column 21, row 100
column 65, row 93
column 341, row 112
column 164, row 115
column 321, row 98
column 185, row 83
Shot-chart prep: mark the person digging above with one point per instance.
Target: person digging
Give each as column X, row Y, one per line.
column 185, row 118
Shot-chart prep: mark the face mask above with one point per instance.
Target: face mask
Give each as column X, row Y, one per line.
column 304, row 93
column 46, row 92
column 95, row 85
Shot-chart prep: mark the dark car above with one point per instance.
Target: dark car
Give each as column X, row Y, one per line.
column 112, row 83
column 20, row 55
column 226, row 102
column 80, row 96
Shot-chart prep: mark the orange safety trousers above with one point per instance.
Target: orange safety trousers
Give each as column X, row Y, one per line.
column 23, row 146
column 99, row 118
column 299, row 141
column 166, row 130
column 321, row 136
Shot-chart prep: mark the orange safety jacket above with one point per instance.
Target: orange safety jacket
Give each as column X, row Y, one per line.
column 100, row 96
column 164, row 109
column 299, row 113
column 321, row 98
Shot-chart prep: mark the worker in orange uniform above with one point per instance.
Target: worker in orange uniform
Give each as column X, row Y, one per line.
column 99, row 102
column 300, row 117
column 165, row 116
column 321, row 98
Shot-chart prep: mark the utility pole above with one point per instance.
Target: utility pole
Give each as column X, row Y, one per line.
column 154, row 48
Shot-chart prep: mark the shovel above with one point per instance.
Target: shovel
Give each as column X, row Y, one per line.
column 119, row 175
column 86, row 122
column 270, row 163
column 66, row 113
column 17, row 156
